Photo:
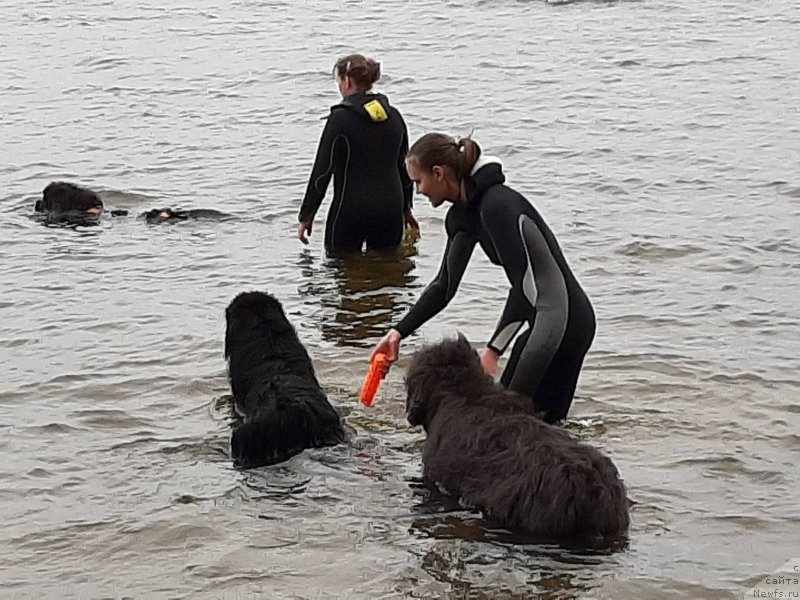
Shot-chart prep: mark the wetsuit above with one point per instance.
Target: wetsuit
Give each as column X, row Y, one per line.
column 363, row 146
column 546, row 359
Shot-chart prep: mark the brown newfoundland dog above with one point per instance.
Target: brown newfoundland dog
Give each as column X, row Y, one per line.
column 65, row 203
column 488, row 445
column 275, row 390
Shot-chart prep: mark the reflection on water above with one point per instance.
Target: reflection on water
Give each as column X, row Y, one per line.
column 366, row 292
column 67, row 219
column 521, row 566
column 443, row 516
column 457, row 569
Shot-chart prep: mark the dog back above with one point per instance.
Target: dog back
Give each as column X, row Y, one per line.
column 275, row 390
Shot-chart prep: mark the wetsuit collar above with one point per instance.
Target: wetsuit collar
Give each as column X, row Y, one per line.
column 484, row 160
column 370, row 105
column 488, row 171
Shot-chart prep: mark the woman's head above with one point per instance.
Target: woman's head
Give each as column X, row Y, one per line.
column 356, row 73
column 438, row 165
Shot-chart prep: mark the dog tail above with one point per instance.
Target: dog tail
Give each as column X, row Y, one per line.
column 268, row 441
column 608, row 517
column 581, row 499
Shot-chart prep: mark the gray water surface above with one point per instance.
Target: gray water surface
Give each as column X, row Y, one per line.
column 661, row 142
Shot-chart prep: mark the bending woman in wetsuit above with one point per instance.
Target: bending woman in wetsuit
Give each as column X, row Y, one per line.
column 545, row 296
column 363, row 146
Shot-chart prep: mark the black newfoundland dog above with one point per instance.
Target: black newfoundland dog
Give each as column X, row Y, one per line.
column 274, row 387
column 64, row 202
column 169, row 215
column 488, row 445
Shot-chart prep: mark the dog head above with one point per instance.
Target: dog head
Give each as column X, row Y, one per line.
column 254, row 316
column 161, row 215
column 60, row 198
column 450, row 368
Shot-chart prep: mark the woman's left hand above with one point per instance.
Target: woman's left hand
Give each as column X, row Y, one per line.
column 303, row 229
column 489, row 360
column 411, row 221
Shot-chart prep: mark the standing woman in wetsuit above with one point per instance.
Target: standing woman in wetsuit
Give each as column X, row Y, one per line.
column 545, row 296
column 363, row 146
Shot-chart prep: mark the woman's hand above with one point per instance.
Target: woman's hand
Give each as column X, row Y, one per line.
column 411, row 222
column 389, row 345
column 303, row 229
column 489, row 359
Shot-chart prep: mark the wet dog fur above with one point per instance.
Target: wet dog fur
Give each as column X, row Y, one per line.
column 489, row 446
column 169, row 215
column 275, row 389
column 64, row 202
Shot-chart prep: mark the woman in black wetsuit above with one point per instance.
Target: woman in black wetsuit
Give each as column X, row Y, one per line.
column 363, row 146
column 546, row 358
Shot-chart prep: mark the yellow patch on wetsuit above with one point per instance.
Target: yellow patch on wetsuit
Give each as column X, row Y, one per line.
column 376, row 111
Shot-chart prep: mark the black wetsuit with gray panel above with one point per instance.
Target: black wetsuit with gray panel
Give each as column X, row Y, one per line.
column 546, row 359
column 363, row 147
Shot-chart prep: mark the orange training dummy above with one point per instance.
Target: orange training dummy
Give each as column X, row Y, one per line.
column 377, row 371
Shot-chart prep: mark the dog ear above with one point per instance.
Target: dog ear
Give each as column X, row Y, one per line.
column 415, row 407
column 416, row 396
column 464, row 345
column 467, row 356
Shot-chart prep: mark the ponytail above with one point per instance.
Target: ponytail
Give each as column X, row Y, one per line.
column 443, row 150
column 469, row 152
column 362, row 70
